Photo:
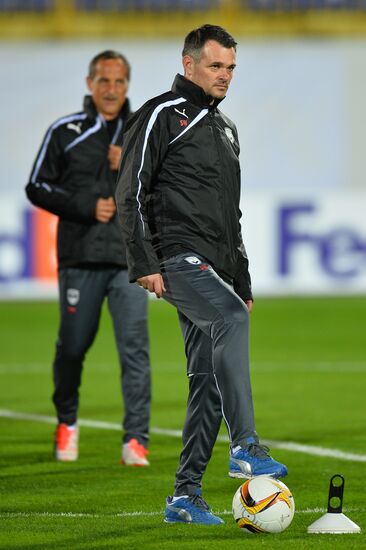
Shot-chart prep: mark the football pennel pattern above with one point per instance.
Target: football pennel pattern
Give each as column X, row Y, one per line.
column 263, row 505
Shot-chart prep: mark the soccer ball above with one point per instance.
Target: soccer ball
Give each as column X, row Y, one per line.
column 263, row 505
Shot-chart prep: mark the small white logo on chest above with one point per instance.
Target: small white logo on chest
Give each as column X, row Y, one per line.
column 183, row 112
column 229, row 133
column 75, row 127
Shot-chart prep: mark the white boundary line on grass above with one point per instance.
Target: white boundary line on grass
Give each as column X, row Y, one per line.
column 287, row 446
column 142, row 514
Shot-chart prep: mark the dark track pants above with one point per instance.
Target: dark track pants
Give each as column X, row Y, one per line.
column 215, row 326
column 82, row 292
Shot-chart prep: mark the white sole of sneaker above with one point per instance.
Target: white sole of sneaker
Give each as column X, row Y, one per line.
column 239, row 475
column 65, row 458
column 134, row 464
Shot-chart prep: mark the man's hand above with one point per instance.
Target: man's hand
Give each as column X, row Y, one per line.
column 249, row 304
column 114, row 156
column 153, row 283
column 105, row 209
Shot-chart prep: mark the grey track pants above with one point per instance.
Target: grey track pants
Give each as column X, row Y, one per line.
column 82, row 292
column 215, row 326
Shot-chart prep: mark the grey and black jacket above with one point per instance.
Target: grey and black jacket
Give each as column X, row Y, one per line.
column 70, row 173
column 179, row 185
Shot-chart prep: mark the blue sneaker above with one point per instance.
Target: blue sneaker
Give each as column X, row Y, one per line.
column 192, row 509
column 253, row 461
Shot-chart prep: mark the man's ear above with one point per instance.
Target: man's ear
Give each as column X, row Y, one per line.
column 89, row 82
column 188, row 63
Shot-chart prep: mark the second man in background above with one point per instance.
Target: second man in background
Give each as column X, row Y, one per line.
column 74, row 177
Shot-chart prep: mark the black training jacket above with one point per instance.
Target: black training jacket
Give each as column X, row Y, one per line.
column 70, row 172
column 179, row 185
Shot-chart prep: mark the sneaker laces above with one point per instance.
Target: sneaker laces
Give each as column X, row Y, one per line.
column 258, row 451
column 198, row 501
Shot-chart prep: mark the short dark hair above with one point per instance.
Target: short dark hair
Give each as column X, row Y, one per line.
column 107, row 54
column 197, row 38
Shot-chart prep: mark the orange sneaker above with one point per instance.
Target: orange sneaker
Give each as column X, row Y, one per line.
column 66, row 443
column 133, row 454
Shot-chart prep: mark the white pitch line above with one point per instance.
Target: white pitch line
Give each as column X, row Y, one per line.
column 9, row 515
column 287, row 446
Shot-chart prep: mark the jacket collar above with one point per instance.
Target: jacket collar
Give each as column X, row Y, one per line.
column 194, row 93
column 91, row 111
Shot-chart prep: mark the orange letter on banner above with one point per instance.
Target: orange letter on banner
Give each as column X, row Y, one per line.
column 45, row 229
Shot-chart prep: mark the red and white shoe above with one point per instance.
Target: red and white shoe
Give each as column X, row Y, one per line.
column 134, row 454
column 66, row 443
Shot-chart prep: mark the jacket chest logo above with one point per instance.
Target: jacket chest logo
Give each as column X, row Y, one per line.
column 230, row 135
column 75, row 127
column 183, row 121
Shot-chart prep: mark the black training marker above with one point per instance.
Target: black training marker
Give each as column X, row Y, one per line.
column 334, row 521
column 335, row 494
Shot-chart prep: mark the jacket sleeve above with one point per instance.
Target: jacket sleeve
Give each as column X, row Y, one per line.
column 49, row 189
column 242, row 280
column 145, row 145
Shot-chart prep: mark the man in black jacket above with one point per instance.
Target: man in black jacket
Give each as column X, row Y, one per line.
column 74, row 177
column 178, row 202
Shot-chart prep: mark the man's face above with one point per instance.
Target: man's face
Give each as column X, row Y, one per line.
column 214, row 71
column 109, row 87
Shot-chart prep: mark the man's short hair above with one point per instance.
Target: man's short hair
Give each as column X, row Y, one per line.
column 197, row 38
column 107, row 54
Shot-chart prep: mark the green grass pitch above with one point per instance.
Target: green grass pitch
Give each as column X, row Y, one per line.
column 309, row 384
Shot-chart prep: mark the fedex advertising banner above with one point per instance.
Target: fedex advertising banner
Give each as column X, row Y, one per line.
column 27, row 251
column 306, row 244
column 313, row 243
